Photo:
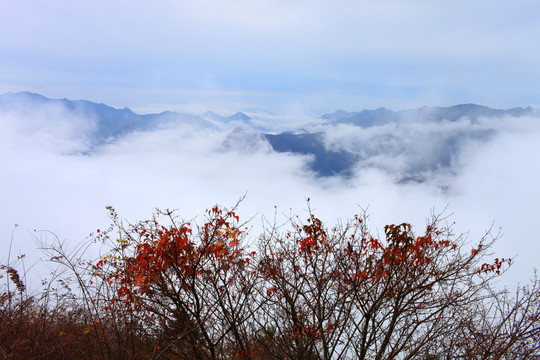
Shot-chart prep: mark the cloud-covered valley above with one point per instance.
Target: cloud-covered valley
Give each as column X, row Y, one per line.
column 63, row 162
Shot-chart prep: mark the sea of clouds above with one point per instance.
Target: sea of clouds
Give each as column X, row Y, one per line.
column 54, row 178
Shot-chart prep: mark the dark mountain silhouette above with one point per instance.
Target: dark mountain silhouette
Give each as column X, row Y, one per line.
column 324, row 162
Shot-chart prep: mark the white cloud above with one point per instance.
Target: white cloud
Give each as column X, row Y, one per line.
column 500, row 183
column 48, row 128
column 45, row 187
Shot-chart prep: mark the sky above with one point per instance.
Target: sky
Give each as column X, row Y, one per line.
column 279, row 56
column 289, row 62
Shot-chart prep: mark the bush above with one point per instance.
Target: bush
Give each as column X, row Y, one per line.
column 169, row 288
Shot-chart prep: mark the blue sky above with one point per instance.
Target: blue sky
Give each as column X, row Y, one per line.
column 279, row 56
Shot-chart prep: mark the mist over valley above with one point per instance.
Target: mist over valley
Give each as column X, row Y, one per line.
column 65, row 160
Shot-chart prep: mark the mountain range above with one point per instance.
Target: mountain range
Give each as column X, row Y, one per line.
column 414, row 143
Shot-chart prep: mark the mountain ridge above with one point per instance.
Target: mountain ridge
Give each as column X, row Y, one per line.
column 381, row 116
column 417, row 150
column 363, row 117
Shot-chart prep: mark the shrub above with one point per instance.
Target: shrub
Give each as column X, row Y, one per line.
column 169, row 288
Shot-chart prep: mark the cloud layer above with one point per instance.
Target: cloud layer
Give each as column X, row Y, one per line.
column 52, row 182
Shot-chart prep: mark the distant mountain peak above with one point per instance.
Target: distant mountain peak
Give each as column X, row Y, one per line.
column 239, row 116
column 336, row 114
